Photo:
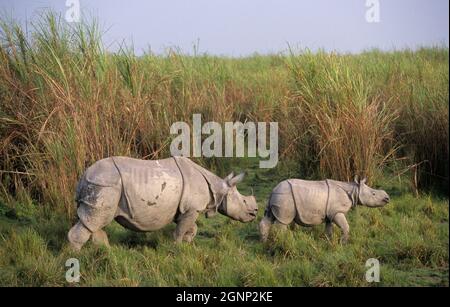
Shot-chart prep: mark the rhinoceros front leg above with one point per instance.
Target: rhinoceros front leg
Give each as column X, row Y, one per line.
column 186, row 226
column 341, row 221
column 190, row 234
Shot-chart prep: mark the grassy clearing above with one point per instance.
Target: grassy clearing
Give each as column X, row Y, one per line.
column 409, row 237
column 66, row 102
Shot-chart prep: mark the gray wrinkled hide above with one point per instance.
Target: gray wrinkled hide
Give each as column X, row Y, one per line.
column 153, row 192
column 306, row 201
column 311, row 203
column 147, row 195
column 197, row 182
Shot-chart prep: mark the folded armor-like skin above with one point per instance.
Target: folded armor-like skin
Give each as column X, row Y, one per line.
column 308, row 202
column 145, row 195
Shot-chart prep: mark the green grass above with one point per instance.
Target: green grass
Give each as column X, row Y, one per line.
column 66, row 102
column 409, row 237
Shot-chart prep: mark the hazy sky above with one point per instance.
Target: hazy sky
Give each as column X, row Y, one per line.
column 241, row 27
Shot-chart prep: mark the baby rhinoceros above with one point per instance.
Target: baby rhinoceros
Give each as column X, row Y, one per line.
column 310, row 203
column 146, row 195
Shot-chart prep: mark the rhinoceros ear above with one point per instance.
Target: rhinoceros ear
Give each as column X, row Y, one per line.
column 356, row 179
column 363, row 181
column 228, row 178
column 236, row 179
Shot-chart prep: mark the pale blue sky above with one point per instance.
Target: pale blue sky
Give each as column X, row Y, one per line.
column 235, row 28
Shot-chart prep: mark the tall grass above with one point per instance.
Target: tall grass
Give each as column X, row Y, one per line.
column 66, row 102
column 349, row 127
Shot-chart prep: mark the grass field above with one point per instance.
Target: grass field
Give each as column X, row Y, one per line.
column 409, row 237
column 65, row 102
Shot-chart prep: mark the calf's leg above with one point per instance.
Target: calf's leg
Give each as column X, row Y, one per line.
column 264, row 227
column 341, row 221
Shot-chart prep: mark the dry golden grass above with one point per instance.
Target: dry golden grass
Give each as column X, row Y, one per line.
column 66, row 102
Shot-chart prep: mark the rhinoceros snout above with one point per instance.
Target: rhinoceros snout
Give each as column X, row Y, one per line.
column 253, row 213
column 386, row 199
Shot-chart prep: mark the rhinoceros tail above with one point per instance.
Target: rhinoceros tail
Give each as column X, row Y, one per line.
column 268, row 211
column 266, row 222
column 78, row 190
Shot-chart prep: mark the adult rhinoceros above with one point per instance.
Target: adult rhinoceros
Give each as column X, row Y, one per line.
column 311, row 203
column 146, row 195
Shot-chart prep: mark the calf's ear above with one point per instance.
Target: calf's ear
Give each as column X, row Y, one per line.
column 236, row 179
column 228, row 178
column 364, row 180
column 356, row 179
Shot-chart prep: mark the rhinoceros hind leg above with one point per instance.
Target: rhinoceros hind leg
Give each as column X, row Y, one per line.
column 78, row 235
column 264, row 228
column 190, row 234
column 100, row 238
column 185, row 224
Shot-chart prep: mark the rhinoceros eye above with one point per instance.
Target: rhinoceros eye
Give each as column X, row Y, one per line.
column 373, row 193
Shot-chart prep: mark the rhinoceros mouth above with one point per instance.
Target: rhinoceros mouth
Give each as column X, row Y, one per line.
column 252, row 216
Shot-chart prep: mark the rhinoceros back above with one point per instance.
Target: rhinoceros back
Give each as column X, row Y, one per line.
column 143, row 195
column 311, row 199
column 102, row 173
column 302, row 200
column 151, row 192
